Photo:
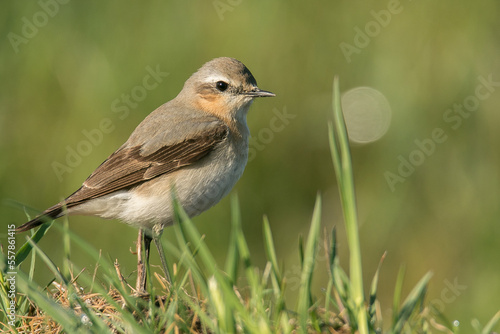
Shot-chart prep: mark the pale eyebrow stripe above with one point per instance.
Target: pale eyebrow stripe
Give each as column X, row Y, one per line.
column 215, row 78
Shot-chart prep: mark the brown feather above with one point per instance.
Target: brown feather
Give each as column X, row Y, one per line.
column 127, row 167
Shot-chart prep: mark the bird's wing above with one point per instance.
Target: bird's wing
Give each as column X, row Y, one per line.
column 130, row 165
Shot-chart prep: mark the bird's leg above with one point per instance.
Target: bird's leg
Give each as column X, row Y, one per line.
column 143, row 246
column 159, row 247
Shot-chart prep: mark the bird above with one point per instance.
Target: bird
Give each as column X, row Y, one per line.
column 194, row 147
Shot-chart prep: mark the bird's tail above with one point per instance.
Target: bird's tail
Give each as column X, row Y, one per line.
column 53, row 212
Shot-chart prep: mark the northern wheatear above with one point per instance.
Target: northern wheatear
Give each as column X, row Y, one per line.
column 196, row 144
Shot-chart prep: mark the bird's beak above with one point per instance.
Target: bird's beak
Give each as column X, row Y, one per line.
column 257, row 92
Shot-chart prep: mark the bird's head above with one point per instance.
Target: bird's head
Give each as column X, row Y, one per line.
column 223, row 87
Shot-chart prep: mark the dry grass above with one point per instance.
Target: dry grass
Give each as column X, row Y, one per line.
column 37, row 321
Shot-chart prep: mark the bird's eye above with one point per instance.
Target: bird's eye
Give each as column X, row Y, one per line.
column 221, row 85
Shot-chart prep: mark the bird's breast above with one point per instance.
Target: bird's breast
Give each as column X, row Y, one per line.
column 204, row 185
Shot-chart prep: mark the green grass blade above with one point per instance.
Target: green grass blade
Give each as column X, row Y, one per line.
column 199, row 311
column 232, row 260
column 398, row 289
column 373, row 291
column 48, row 262
column 334, row 151
column 304, row 298
column 415, row 297
column 277, row 279
column 223, row 313
column 488, row 328
column 341, row 156
column 340, row 280
column 25, row 249
column 301, row 251
column 333, row 249
column 231, row 300
column 258, row 308
column 23, row 302
column 192, row 236
column 67, row 250
column 270, row 249
column 33, row 260
column 243, row 249
column 187, row 259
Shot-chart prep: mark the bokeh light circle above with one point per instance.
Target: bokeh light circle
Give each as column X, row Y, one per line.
column 367, row 114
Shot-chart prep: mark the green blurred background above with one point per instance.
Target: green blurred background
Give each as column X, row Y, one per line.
column 64, row 77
